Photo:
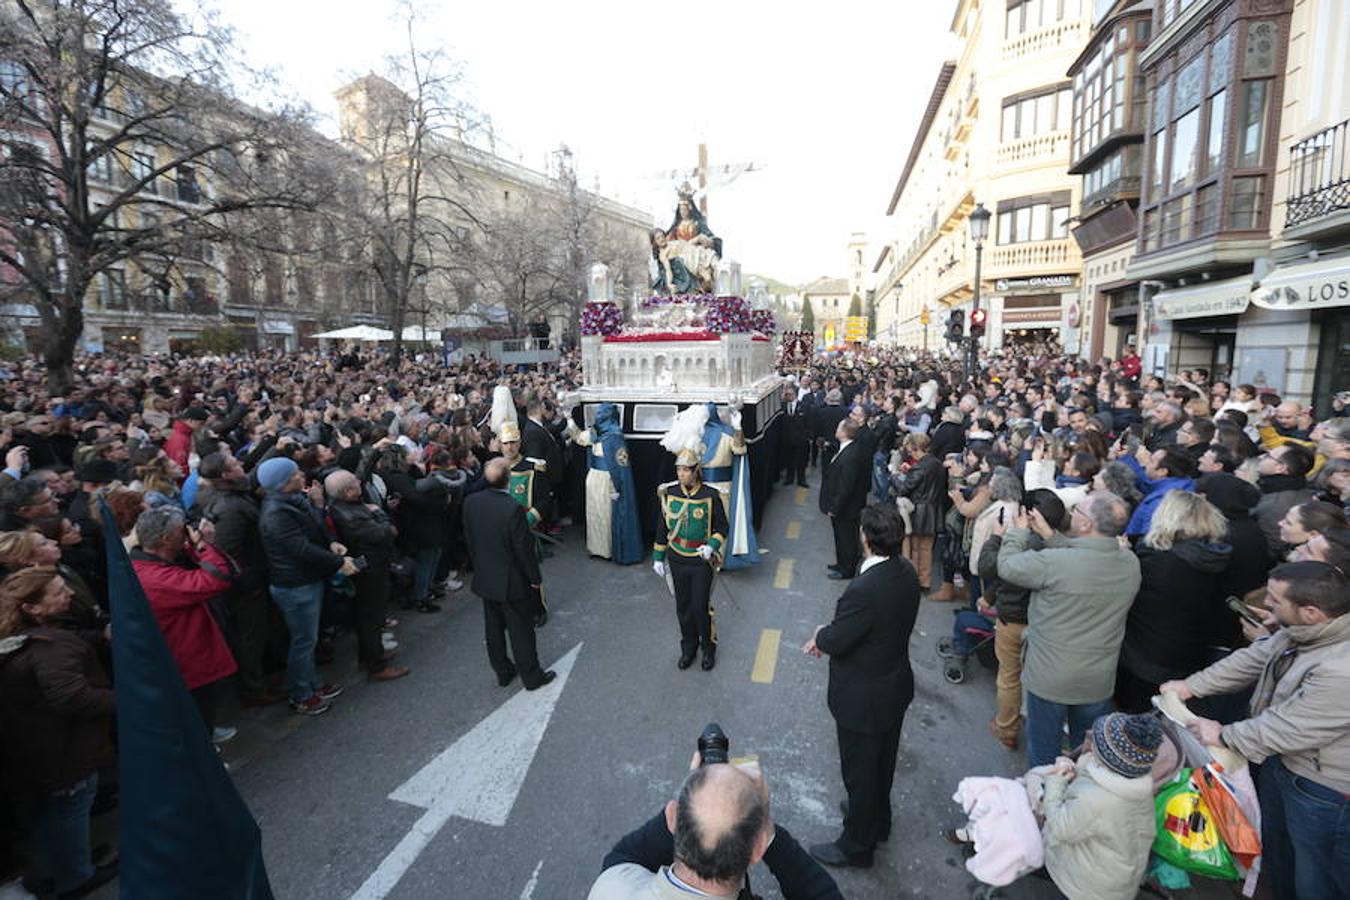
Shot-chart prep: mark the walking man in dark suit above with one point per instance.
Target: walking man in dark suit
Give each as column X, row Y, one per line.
column 796, row 442
column 871, row 683
column 506, row 575
column 843, row 493
column 825, row 421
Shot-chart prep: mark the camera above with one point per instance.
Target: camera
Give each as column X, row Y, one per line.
column 713, row 745
column 361, row 563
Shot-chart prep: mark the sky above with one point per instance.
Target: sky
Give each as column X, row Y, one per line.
column 823, row 99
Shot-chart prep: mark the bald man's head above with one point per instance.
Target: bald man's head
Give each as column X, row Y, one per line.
column 342, row 485
column 719, row 823
column 497, row 472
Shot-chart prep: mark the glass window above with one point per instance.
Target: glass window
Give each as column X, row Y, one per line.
column 1245, row 203
column 1045, row 113
column 1218, row 108
column 1252, row 128
column 1189, row 85
column 1207, row 209
column 1059, row 222
column 1010, row 121
column 1155, row 184
column 1040, row 224
column 1064, row 110
column 1185, row 146
column 1013, row 24
column 1005, row 225
column 1022, row 223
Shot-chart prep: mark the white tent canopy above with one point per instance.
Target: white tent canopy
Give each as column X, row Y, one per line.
column 357, row 333
column 414, row 333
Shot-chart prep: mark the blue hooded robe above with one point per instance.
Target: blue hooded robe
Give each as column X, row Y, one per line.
column 625, row 540
column 739, row 508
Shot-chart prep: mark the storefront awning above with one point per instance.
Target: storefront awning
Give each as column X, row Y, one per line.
column 1309, row 285
column 1218, row 298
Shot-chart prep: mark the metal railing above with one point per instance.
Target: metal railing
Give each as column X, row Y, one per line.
column 1319, row 176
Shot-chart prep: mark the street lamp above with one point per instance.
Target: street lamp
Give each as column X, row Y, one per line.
column 979, row 230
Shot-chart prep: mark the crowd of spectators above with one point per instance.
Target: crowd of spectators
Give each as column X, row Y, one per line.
column 1108, row 536
column 1093, row 519
column 270, row 503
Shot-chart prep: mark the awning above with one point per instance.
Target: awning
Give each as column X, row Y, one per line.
column 1216, row 298
column 1309, row 285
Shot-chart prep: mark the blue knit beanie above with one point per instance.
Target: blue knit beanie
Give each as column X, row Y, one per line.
column 275, row 472
column 1126, row 744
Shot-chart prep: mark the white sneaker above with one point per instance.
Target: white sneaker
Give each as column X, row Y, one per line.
column 452, row 584
column 223, row 734
column 388, row 641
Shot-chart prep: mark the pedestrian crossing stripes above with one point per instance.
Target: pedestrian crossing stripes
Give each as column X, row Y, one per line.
column 766, row 657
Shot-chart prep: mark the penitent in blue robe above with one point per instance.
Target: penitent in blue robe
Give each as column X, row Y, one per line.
column 626, row 544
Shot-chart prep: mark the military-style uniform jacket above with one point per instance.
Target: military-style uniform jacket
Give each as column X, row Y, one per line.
column 689, row 519
column 526, row 478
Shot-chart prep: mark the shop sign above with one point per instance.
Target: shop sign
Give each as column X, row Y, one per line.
column 1314, row 285
column 277, row 327
column 1047, row 315
column 1221, row 298
column 1035, row 283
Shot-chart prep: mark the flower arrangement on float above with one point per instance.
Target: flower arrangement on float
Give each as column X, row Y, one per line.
column 603, row 318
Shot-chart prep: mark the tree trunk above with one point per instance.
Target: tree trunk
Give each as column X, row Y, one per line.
column 59, row 350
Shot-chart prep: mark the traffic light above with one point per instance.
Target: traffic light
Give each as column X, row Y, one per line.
column 956, row 326
column 978, row 318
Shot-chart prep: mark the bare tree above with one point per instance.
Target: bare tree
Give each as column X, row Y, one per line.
column 414, row 208
column 124, row 145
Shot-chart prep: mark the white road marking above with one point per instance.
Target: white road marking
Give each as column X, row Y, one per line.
column 478, row 777
column 528, row 893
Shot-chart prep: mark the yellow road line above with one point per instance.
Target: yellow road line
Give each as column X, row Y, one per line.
column 801, row 496
column 782, row 575
column 794, row 530
column 766, row 657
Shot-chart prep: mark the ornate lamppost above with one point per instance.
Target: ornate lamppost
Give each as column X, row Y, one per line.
column 979, row 231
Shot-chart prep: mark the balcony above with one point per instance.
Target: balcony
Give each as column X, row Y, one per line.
column 1065, row 35
column 1319, row 184
column 1035, row 150
column 1034, row 256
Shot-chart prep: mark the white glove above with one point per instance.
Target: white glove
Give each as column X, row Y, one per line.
column 706, row 551
column 614, row 495
column 735, row 418
column 659, row 567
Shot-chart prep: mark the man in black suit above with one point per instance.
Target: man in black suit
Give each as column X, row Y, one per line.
column 506, row 575
column 538, row 445
column 796, row 442
column 825, row 420
column 843, row 494
column 871, row 683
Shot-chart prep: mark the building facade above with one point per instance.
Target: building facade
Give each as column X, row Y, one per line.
column 996, row 132
column 829, row 299
column 1110, row 108
column 1244, row 220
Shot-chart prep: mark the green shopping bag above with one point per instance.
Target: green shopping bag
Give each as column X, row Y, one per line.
column 1187, row 836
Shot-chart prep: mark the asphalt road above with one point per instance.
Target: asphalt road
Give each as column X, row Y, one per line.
column 534, row 788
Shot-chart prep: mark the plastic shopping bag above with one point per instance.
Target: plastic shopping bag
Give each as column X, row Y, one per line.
column 1187, row 835
column 1238, row 834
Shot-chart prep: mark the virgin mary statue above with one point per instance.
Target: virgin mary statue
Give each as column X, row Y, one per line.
column 686, row 254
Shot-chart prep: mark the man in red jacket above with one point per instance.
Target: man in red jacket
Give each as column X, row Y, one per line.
column 178, row 445
column 179, row 577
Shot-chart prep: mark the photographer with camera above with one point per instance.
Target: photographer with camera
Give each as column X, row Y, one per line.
column 703, row 843
column 365, row 530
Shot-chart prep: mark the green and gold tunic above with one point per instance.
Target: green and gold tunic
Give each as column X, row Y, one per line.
column 689, row 519
column 521, row 487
